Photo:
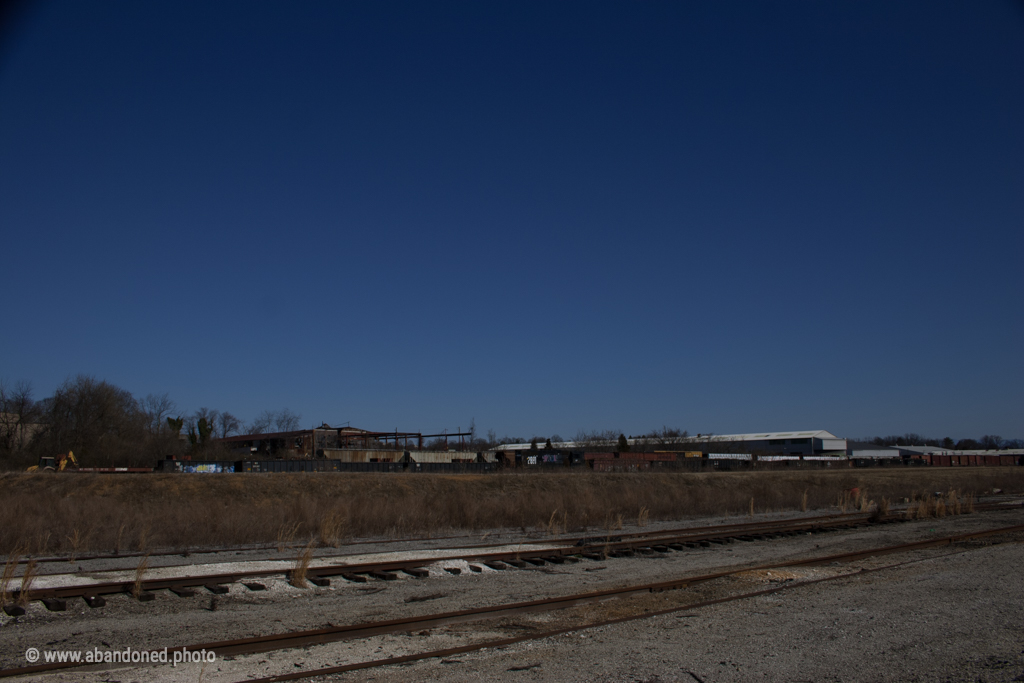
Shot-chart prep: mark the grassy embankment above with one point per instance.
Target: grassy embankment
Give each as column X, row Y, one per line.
column 78, row 513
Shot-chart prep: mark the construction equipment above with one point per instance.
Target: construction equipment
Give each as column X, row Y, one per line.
column 57, row 463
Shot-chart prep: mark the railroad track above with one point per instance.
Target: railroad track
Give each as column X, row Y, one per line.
column 201, row 551
column 467, row 546
column 979, row 507
column 505, row 642
column 524, row 556
column 306, row 638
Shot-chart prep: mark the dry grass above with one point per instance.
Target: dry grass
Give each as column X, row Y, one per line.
column 954, row 502
column 120, row 535
column 42, row 541
column 553, row 524
column 27, row 577
column 140, row 572
column 331, row 529
column 297, row 577
column 179, row 512
column 76, row 541
column 286, row 532
column 143, row 536
column 7, row 578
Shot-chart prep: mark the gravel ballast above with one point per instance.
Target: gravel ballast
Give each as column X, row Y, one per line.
column 949, row 614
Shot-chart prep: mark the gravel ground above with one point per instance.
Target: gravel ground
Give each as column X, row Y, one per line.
column 954, row 617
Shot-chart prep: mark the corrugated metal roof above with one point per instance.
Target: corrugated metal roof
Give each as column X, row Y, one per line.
column 761, row 436
column 935, row 450
column 876, row 453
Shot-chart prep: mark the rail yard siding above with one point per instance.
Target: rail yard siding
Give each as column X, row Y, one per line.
column 442, row 456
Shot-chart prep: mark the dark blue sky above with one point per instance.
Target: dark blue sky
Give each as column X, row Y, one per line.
column 547, row 216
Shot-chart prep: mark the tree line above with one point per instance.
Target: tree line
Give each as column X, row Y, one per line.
column 989, row 442
column 106, row 426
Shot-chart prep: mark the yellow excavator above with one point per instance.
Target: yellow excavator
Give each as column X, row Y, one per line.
column 58, row 463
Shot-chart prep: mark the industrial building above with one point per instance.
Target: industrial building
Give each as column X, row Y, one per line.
column 353, row 449
column 914, row 451
column 808, row 443
column 347, row 444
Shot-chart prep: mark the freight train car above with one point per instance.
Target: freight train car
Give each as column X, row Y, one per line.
column 628, row 462
column 961, row 460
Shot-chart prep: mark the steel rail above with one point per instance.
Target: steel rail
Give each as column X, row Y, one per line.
column 505, row 642
column 213, row 551
column 978, row 507
column 307, row 638
column 469, row 546
column 602, row 547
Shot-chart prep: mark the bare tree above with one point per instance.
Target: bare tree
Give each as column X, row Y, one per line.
column 286, row 421
column 100, row 422
column 207, row 414
column 190, row 429
column 438, row 444
column 157, row 408
column 263, row 423
column 991, row 442
column 19, row 415
column 598, row 440
column 227, row 424
column 280, row 421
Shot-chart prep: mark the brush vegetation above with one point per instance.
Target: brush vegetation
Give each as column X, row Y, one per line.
column 146, row 512
column 297, row 576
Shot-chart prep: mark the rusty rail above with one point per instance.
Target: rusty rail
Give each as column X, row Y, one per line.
column 614, row 544
column 602, row 547
column 368, row 629
column 504, row 642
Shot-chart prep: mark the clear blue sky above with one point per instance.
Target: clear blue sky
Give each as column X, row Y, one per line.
column 548, row 216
